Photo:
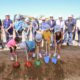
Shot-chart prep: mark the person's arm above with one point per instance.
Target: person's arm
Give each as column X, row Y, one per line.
column 11, row 25
column 60, row 40
column 0, row 23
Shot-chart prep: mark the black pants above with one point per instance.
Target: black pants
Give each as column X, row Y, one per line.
column 12, row 49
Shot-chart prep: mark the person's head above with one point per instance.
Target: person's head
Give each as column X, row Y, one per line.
column 69, row 17
column 60, row 18
column 43, row 19
column 51, row 17
column 17, row 39
column 27, row 20
column 18, row 17
column 7, row 17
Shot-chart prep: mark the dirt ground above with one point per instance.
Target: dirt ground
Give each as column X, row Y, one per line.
column 68, row 68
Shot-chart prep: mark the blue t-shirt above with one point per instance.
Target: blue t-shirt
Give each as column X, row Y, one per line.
column 18, row 25
column 44, row 26
column 70, row 25
column 31, row 45
column 6, row 25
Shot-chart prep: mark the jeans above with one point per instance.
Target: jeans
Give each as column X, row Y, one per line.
column 68, row 37
column 79, row 36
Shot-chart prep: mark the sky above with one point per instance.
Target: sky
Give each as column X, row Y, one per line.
column 36, row 8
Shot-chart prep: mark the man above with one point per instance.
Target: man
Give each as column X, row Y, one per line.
column 74, row 20
column 78, row 29
column 51, row 22
column 70, row 26
column 18, row 25
column 8, row 26
column 60, row 22
column 1, row 42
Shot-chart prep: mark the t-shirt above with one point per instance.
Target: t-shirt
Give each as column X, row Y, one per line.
column 47, row 35
column 11, row 43
column 70, row 25
column 58, row 37
column 18, row 25
column 6, row 25
column 0, row 25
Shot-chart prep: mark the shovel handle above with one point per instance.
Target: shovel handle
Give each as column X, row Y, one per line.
column 46, row 47
column 16, row 57
column 37, row 52
column 55, row 49
column 26, row 53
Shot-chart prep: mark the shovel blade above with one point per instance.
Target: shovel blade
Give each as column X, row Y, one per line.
column 16, row 65
column 54, row 60
column 28, row 64
column 37, row 62
column 46, row 59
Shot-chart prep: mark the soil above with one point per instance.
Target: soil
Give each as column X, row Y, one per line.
column 67, row 68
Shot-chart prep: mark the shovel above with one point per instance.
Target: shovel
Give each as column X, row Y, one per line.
column 28, row 63
column 37, row 62
column 16, row 64
column 46, row 58
column 54, row 58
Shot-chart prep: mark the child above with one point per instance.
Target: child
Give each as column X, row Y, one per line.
column 38, row 39
column 58, row 39
column 28, row 46
column 47, row 37
column 12, row 47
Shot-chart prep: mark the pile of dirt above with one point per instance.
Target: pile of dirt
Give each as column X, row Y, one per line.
column 68, row 68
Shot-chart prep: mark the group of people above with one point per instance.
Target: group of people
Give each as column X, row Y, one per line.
column 30, row 33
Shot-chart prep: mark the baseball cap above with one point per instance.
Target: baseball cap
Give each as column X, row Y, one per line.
column 38, row 37
column 57, row 29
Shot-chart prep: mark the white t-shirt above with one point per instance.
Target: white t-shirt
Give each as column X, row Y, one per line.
column 78, row 24
column 61, row 24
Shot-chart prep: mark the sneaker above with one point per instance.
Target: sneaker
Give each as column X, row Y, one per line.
column 34, row 55
column 58, row 56
column 79, row 44
column 64, row 44
column 55, row 54
column 11, row 58
column 40, row 55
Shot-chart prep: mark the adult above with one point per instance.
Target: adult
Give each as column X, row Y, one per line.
column 1, row 42
column 78, row 29
column 51, row 22
column 70, row 26
column 18, row 25
column 60, row 22
column 8, row 26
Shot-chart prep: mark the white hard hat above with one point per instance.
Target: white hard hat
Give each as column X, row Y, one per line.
column 27, row 20
column 69, row 15
column 43, row 18
column 18, row 17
